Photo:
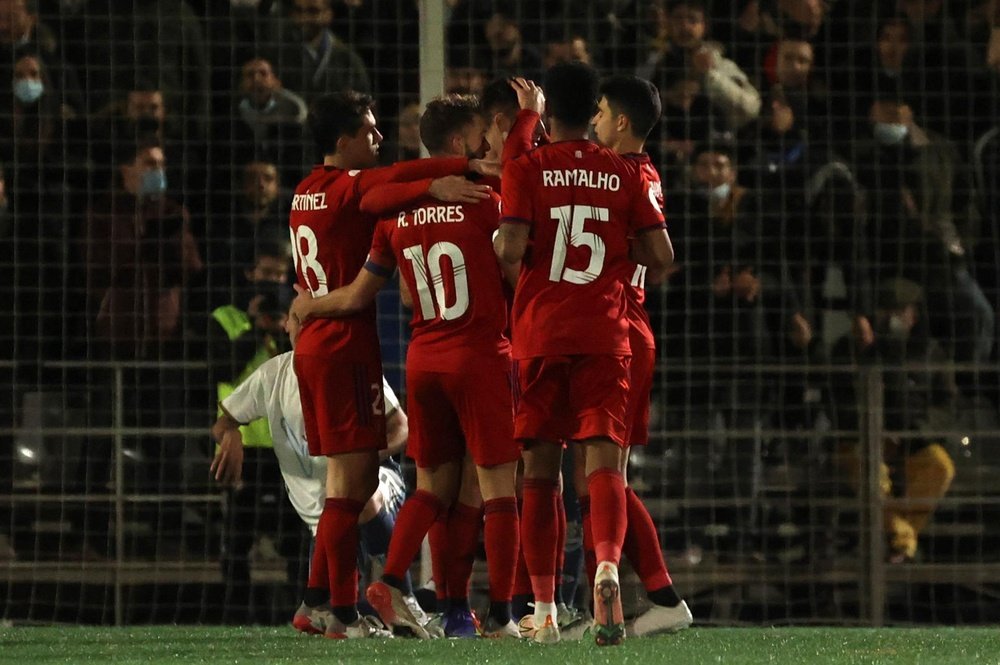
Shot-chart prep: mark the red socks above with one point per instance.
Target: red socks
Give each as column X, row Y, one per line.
column 642, row 545
column 464, row 523
column 437, row 538
column 538, row 524
column 337, row 535
column 501, row 546
column 319, row 577
column 413, row 522
column 606, row 488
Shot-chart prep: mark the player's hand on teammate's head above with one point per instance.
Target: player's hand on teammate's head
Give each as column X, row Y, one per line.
column 227, row 466
column 485, row 167
column 456, row 189
column 529, row 94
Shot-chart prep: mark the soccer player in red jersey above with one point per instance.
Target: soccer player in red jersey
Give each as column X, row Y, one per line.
column 337, row 362
column 457, row 367
column 579, row 204
column 628, row 109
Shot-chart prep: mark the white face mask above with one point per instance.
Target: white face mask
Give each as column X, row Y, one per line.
column 28, row 91
column 898, row 326
column 890, row 133
column 718, row 193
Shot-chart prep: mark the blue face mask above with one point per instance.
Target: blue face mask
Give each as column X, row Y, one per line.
column 890, row 133
column 153, row 183
column 28, row 91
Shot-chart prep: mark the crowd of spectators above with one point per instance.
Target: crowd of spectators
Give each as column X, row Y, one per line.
column 812, row 151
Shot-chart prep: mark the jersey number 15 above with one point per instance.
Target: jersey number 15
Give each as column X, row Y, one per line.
column 570, row 220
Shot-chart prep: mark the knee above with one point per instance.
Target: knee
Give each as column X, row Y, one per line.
column 935, row 465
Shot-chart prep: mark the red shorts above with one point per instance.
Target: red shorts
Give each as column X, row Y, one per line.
column 451, row 413
column 573, row 398
column 640, row 387
column 342, row 403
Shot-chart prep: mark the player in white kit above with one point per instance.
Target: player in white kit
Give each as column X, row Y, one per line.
column 272, row 392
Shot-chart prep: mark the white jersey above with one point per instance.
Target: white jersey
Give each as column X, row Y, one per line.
column 272, row 392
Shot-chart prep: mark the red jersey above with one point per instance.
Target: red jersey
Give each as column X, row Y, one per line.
column 445, row 254
column 330, row 240
column 582, row 202
column 640, row 330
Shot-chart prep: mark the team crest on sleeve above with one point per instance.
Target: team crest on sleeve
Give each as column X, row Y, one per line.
column 651, row 192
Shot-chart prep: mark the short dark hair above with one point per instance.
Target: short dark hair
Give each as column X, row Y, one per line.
column 335, row 115
column 636, row 98
column 444, row 116
column 499, row 97
column 572, row 92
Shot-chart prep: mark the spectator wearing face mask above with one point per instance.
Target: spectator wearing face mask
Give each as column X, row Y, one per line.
column 728, row 304
column 138, row 255
column 22, row 30
column 138, row 259
column 32, row 139
column 924, row 224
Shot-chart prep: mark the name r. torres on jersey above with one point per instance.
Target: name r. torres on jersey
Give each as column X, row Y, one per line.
column 432, row 215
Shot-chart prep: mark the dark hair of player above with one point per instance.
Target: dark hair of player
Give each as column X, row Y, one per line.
column 337, row 114
column 636, row 98
column 444, row 116
column 572, row 93
column 498, row 97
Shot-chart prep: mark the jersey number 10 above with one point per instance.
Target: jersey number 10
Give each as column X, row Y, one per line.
column 427, row 272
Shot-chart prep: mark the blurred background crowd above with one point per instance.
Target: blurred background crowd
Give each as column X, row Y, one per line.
column 831, row 183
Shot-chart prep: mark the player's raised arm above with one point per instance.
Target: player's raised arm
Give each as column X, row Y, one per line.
column 522, row 135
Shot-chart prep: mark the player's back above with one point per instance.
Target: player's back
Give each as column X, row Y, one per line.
column 445, row 256
column 583, row 202
column 330, row 240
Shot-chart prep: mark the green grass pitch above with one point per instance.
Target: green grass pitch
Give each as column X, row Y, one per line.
column 696, row 646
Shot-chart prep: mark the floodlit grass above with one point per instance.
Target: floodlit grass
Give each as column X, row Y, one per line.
column 193, row 644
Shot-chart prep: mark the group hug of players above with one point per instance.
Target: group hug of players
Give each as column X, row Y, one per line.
column 574, row 227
